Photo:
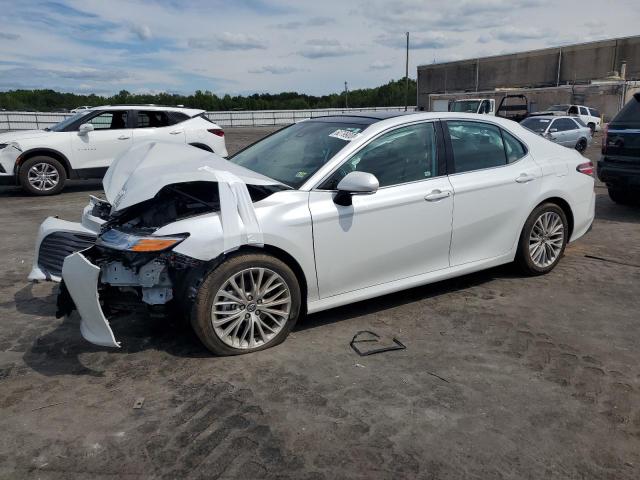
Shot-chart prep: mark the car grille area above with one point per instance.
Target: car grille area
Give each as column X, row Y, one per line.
column 55, row 247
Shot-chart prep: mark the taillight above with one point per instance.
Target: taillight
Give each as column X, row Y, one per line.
column 216, row 131
column 586, row 168
column 605, row 134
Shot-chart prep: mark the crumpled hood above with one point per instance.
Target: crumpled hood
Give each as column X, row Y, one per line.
column 9, row 137
column 143, row 170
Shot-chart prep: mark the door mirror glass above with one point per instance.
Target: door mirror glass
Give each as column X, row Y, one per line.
column 85, row 128
column 356, row 183
column 553, row 130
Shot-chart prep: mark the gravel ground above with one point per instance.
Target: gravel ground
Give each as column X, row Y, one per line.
column 504, row 377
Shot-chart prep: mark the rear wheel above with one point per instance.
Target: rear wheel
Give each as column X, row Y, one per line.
column 623, row 197
column 42, row 176
column 543, row 239
column 249, row 303
column 581, row 146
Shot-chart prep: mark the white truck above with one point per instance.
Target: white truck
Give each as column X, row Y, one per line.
column 474, row 105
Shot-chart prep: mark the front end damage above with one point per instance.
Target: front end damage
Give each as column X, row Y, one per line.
column 134, row 264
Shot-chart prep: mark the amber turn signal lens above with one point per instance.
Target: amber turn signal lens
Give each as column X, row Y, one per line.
column 153, row 244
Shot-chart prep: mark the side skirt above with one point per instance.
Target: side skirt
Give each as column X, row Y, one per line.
column 405, row 283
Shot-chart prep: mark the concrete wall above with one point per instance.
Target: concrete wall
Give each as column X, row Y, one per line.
column 579, row 64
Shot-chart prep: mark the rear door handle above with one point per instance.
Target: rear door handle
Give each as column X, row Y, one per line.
column 175, row 132
column 123, row 137
column 436, row 195
column 525, row 178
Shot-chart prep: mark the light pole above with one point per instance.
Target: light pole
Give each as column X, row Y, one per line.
column 406, row 78
column 346, row 96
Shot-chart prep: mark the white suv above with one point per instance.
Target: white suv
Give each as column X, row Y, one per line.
column 590, row 116
column 84, row 145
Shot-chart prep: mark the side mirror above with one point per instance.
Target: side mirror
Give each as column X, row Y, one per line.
column 553, row 130
column 85, row 128
column 355, row 183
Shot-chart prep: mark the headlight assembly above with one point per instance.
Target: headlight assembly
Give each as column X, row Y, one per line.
column 118, row 240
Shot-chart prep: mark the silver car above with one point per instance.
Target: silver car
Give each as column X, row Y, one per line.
column 566, row 131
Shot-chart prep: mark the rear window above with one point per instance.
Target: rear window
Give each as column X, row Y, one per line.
column 177, row 117
column 630, row 113
column 594, row 112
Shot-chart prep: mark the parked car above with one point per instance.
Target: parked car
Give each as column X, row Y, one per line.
column 323, row 213
column 566, row 131
column 84, row 145
column 512, row 106
column 589, row 116
column 80, row 109
column 619, row 166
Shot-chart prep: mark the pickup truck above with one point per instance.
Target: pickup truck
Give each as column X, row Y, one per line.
column 513, row 106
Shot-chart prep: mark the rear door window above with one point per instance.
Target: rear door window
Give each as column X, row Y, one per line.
column 594, row 112
column 564, row 124
column 514, row 149
column 152, row 118
column 476, row 146
column 584, row 111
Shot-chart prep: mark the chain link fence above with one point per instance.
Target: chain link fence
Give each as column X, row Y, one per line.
column 10, row 121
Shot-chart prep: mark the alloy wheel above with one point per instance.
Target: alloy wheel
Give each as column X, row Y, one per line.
column 546, row 239
column 43, row 176
column 251, row 308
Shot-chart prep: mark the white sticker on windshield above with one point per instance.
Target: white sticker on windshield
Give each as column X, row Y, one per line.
column 346, row 134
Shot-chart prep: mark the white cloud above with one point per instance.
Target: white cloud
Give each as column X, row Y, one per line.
column 327, row 48
column 229, row 41
column 143, row 32
column 428, row 40
column 274, row 69
column 380, row 65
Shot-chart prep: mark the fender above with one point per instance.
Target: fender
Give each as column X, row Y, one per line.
column 26, row 155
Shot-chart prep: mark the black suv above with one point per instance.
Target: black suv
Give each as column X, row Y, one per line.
column 619, row 166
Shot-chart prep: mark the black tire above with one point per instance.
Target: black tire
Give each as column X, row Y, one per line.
column 622, row 197
column 523, row 256
column 592, row 126
column 201, row 320
column 581, row 146
column 51, row 163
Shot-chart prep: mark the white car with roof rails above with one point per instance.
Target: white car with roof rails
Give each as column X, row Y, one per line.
column 322, row 213
column 85, row 144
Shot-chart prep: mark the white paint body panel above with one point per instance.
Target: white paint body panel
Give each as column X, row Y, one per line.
column 386, row 241
column 392, row 234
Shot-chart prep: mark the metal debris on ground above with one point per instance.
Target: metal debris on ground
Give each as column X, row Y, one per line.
column 373, row 338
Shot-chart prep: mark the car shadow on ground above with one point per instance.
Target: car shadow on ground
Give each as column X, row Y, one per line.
column 58, row 351
column 607, row 209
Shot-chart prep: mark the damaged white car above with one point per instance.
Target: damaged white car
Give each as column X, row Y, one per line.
column 325, row 212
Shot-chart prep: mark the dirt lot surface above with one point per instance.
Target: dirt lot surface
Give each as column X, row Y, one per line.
column 504, row 377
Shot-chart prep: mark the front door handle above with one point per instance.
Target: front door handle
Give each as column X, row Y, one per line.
column 525, row 178
column 124, row 137
column 436, row 195
column 175, row 132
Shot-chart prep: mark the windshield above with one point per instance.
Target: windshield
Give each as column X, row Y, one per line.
column 59, row 127
column 293, row 154
column 558, row 108
column 466, row 106
column 534, row 124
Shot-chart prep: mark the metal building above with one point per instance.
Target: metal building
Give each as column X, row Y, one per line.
column 601, row 74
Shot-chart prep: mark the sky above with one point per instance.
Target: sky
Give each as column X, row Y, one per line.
column 256, row 46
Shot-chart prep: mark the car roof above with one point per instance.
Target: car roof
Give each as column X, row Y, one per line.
column 188, row 111
column 366, row 118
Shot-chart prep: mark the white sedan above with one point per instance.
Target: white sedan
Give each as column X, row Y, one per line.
column 85, row 144
column 323, row 213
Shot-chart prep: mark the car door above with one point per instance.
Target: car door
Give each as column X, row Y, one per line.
column 94, row 151
column 494, row 182
column 563, row 131
column 156, row 125
column 402, row 230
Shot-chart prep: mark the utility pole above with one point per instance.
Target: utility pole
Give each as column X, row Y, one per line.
column 346, row 96
column 406, row 78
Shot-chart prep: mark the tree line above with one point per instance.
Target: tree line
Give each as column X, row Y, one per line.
column 390, row 94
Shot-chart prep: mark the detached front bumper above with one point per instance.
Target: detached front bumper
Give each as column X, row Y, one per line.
column 81, row 282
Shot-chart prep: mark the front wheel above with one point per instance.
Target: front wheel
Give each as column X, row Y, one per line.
column 543, row 239
column 620, row 196
column 248, row 303
column 42, row 176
